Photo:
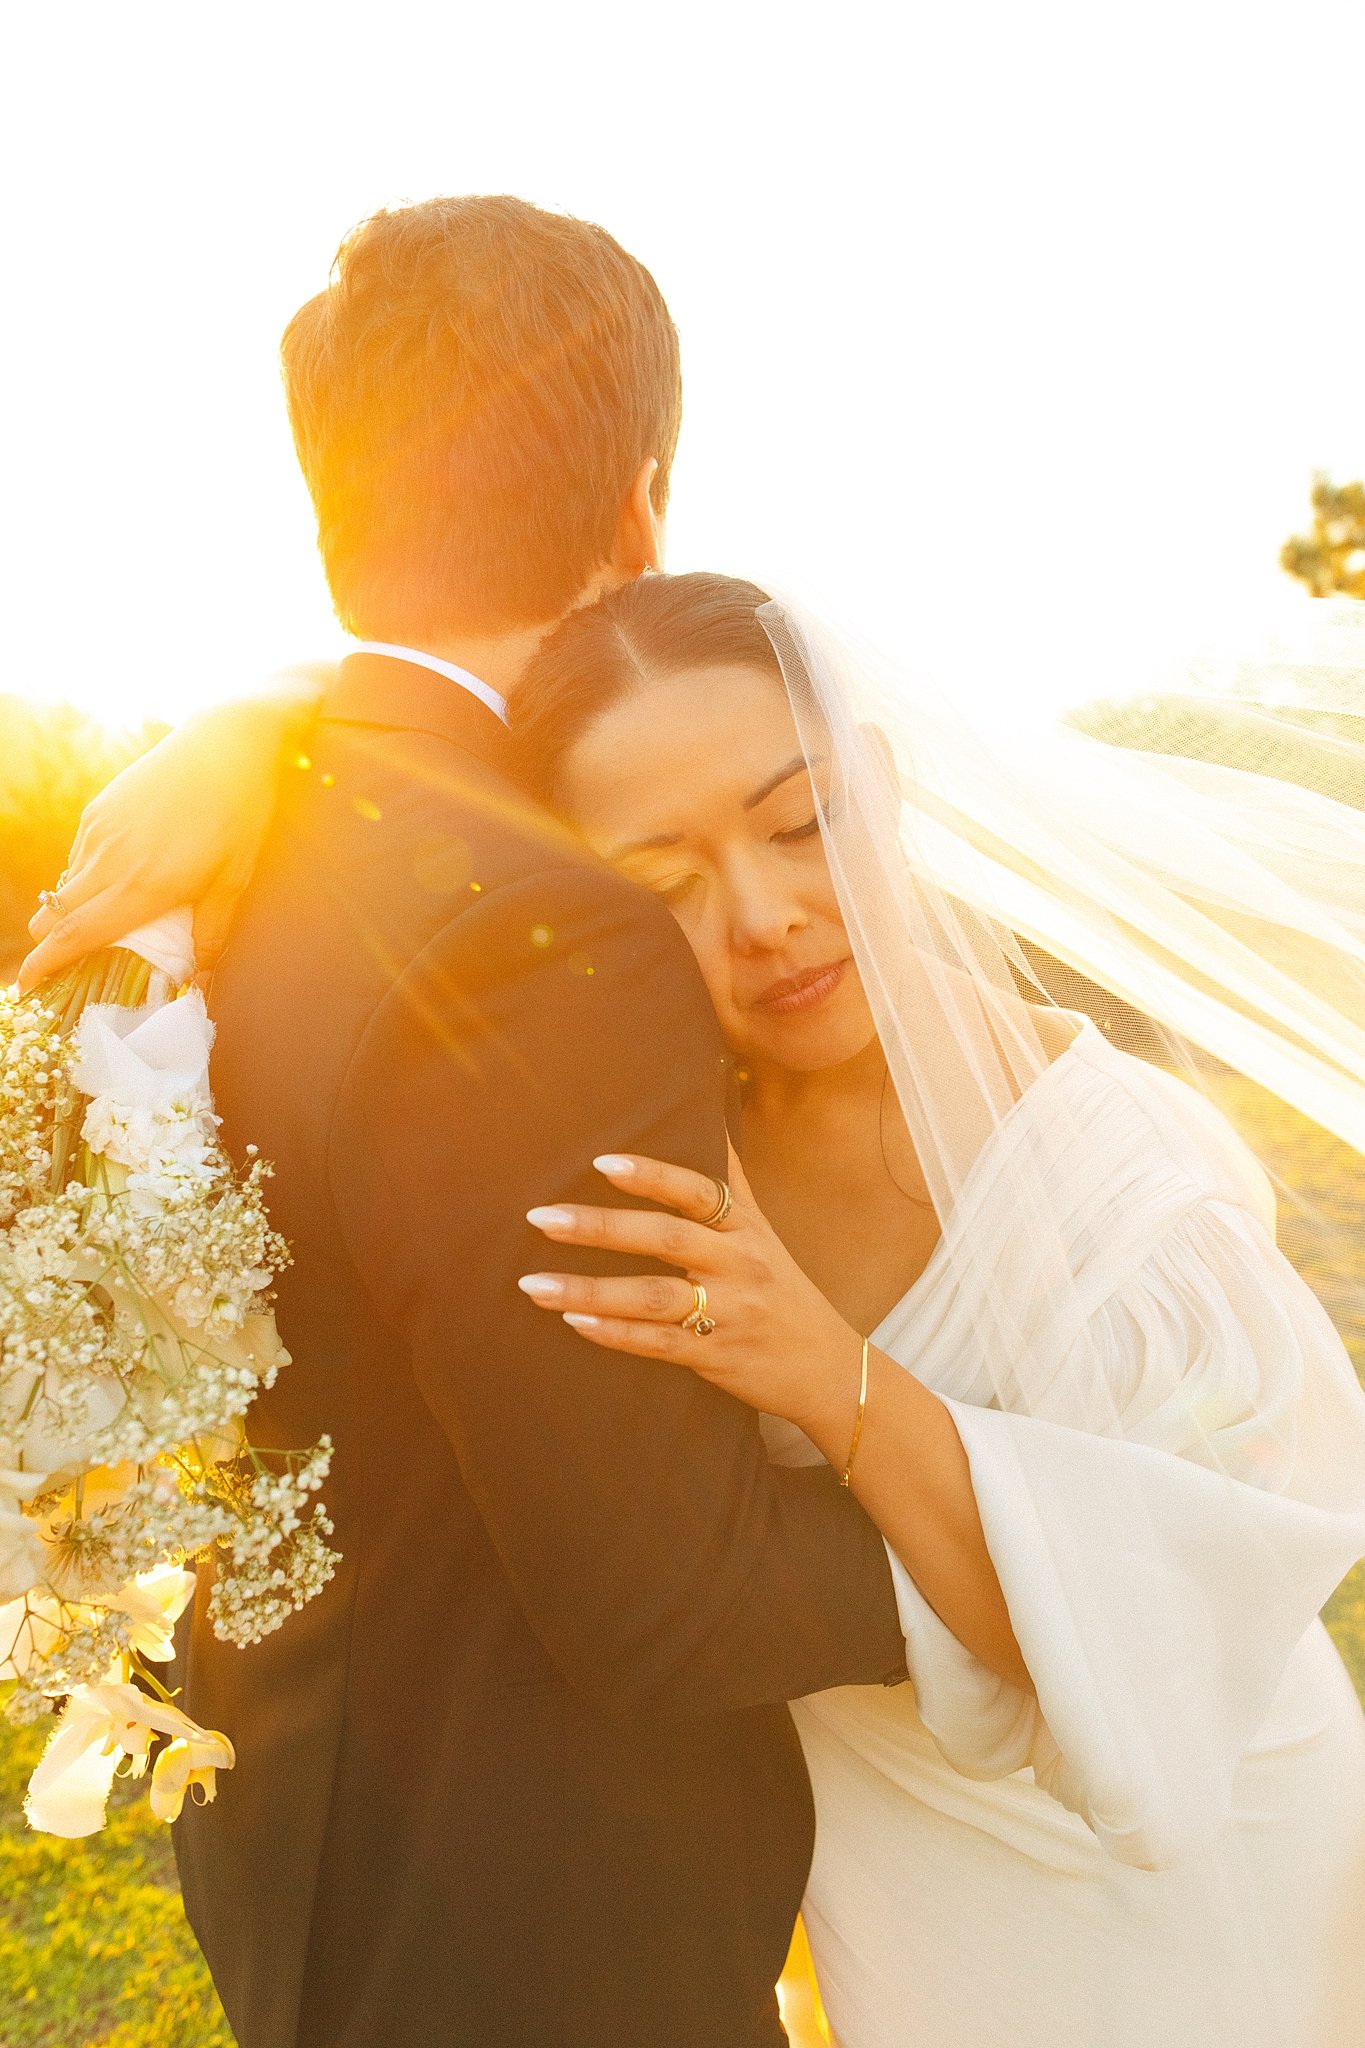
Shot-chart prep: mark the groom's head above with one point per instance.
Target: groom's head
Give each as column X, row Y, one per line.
column 485, row 402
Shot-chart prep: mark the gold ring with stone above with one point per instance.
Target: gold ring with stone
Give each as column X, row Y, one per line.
column 696, row 1315
column 724, row 1204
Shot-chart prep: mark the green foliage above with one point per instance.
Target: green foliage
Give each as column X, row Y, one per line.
column 52, row 760
column 1331, row 559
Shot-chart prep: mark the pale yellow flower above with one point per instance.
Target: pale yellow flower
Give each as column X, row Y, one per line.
column 189, row 1763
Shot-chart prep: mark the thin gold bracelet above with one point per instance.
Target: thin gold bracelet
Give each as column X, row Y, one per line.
column 858, row 1425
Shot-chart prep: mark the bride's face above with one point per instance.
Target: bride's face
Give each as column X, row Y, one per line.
column 696, row 788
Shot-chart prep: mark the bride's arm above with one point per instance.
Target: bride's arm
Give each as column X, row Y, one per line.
column 912, row 1475
column 779, row 1346
column 181, row 825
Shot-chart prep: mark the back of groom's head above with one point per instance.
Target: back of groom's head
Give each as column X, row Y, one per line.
column 472, row 398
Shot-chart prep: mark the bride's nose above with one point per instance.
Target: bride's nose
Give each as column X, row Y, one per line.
column 762, row 918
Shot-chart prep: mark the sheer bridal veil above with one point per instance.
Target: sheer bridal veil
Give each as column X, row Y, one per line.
column 1199, row 856
column 1164, row 1536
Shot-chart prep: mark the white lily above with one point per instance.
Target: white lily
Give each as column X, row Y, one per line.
column 155, row 1600
column 69, row 1789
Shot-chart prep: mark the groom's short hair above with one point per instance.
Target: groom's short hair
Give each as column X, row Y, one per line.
column 471, row 398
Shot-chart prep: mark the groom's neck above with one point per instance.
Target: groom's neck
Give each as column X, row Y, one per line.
column 498, row 659
column 501, row 659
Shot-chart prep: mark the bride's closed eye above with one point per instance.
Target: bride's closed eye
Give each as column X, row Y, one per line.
column 675, row 892
column 809, row 828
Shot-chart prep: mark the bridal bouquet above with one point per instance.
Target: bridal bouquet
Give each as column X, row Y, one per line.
column 135, row 1332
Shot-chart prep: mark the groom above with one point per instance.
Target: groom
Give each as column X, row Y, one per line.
column 522, row 1777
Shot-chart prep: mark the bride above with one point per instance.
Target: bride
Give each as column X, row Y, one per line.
column 1020, row 1288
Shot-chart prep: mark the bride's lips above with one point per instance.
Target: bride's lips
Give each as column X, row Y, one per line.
column 802, row 991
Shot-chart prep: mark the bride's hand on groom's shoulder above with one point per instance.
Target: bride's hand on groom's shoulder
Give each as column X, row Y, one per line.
column 741, row 1313
column 183, row 824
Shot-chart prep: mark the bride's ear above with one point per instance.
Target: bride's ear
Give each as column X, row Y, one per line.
column 639, row 541
column 883, row 753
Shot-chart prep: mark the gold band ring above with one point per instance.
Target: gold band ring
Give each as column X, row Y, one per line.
column 724, row 1204
column 697, row 1319
column 698, row 1308
column 51, row 899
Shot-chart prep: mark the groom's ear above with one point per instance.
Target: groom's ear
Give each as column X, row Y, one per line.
column 639, row 541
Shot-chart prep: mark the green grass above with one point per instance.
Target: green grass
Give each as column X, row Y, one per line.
column 94, row 1949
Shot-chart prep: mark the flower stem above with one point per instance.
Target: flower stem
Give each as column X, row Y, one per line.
column 112, row 976
column 150, row 1679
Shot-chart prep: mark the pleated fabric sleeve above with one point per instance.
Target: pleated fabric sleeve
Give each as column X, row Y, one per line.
column 1160, row 1576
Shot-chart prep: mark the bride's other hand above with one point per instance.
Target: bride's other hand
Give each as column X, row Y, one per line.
column 182, row 824
column 776, row 1343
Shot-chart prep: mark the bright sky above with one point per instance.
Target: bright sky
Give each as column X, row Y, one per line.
column 1011, row 334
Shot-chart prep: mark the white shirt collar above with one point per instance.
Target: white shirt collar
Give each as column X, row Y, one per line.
column 483, row 691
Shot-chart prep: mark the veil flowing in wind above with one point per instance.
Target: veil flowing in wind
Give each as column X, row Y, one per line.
column 1163, row 1544
column 1211, row 878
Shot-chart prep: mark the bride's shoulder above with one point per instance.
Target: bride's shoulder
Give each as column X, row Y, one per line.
column 1179, row 1124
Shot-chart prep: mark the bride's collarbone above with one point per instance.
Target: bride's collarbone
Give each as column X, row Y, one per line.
column 863, row 1243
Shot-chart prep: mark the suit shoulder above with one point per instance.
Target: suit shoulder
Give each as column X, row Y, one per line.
column 569, row 987
column 574, row 916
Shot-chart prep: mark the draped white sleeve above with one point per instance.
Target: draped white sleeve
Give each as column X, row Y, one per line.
column 1158, row 1579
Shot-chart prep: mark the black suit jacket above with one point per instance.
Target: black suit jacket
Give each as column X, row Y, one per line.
column 522, row 1774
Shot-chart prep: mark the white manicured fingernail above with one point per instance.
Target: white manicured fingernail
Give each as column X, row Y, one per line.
column 541, row 1286
column 550, row 1219
column 614, row 1162
column 581, row 1322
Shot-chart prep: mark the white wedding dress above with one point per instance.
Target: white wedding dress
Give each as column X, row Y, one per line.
column 1128, row 1862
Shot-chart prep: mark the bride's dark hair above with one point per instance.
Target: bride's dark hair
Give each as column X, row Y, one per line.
column 647, row 630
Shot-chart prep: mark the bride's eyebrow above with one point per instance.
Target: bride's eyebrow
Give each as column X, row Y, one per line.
column 796, row 767
column 751, row 803
column 645, row 845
